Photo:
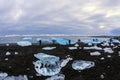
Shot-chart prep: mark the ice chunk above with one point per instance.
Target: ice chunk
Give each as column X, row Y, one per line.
column 45, row 58
column 102, row 58
column 48, row 48
column 16, row 53
column 96, row 53
column 81, row 64
column 62, row 41
column 8, row 53
column 94, row 47
column 49, row 65
column 57, row 77
column 72, row 48
column 108, row 50
column 24, row 43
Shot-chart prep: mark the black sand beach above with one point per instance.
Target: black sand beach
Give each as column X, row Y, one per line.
column 22, row 63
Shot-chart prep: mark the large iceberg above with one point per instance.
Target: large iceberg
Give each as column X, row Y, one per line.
column 82, row 65
column 62, row 41
column 49, row 65
column 57, row 77
column 24, row 43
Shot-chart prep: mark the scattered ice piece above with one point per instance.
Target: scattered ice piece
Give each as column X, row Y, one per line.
column 76, row 45
column 102, row 58
column 49, row 65
column 45, row 57
column 108, row 50
column 109, row 56
column 48, row 48
column 24, row 43
column 96, row 53
column 94, row 47
column 105, row 44
column 16, row 52
column 6, row 59
column 7, row 44
column 57, row 77
column 72, row 48
column 102, row 76
column 81, row 64
column 8, row 53
column 3, row 75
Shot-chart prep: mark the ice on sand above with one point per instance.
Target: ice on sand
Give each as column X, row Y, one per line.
column 57, row 77
column 8, row 53
column 48, row 48
column 108, row 50
column 82, row 65
column 24, row 43
column 49, row 65
column 96, row 53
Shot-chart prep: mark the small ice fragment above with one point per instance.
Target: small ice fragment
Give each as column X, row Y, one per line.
column 81, row 64
column 109, row 56
column 57, row 77
column 95, row 53
column 48, row 48
column 72, row 48
column 108, row 50
column 24, row 43
column 6, row 59
column 76, row 45
column 8, row 53
column 102, row 58
column 16, row 52
column 102, row 76
column 7, row 44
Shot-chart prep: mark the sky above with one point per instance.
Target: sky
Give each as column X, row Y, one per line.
column 84, row 17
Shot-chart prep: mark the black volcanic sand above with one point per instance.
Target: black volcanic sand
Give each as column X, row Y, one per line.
column 22, row 63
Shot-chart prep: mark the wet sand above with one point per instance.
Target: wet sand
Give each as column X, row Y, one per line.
column 22, row 63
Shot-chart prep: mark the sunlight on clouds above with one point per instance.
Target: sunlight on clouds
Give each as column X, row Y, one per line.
column 112, row 13
column 101, row 26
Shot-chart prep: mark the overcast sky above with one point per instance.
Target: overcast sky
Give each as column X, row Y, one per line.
column 85, row 17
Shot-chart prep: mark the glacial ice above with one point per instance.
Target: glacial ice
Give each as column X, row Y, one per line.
column 24, row 43
column 27, row 39
column 82, row 65
column 57, row 77
column 48, row 48
column 62, row 41
column 96, row 53
column 49, row 65
column 94, row 47
column 8, row 53
column 4, row 76
column 108, row 50
column 72, row 48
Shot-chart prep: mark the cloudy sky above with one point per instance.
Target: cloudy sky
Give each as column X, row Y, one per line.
column 85, row 17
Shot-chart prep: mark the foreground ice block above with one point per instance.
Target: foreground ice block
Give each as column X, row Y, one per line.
column 24, row 43
column 57, row 77
column 81, row 64
column 4, row 76
column 108, row 50
column 49, row 65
